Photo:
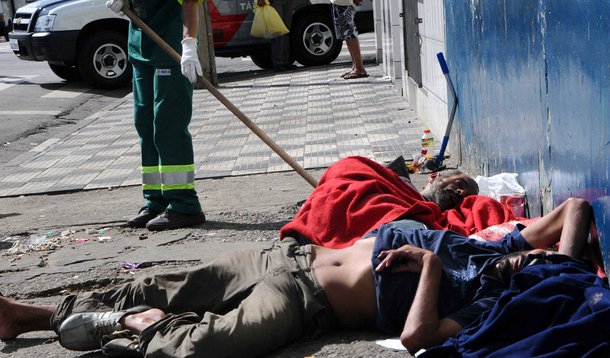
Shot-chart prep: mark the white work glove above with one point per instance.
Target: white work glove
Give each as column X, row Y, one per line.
column 116, row 6
column 191, row 68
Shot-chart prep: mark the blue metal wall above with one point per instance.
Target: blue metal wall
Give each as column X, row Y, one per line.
column 533, row 84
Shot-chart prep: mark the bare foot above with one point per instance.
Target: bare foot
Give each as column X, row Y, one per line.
column 17, row 318
column 137, row 322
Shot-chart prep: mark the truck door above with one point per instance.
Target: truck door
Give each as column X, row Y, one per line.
column 227, row 17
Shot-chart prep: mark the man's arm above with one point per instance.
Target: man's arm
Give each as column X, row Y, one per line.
column 423, row 327
column 567, row 224
column 189, row 62
column 190, row 18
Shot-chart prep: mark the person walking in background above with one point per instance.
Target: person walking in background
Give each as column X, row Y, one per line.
column 163, row 101
column 345, row 29
column 280, row 46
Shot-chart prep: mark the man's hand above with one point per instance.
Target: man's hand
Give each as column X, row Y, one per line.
column 116, row 6
column 357, row 2
column 405, row 259
column 191, row 68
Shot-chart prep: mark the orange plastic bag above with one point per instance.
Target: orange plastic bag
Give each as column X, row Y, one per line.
column 267, row 23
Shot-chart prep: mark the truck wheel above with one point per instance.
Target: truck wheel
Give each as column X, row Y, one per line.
column 313, row 40
column 262, row 57
column 68, row 73
column 102, row 60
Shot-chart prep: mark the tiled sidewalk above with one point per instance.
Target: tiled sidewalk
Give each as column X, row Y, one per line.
column 314, row 115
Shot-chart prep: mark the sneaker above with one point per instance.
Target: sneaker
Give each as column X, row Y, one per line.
column 122, row 347
column 145, row 215
column 169, row 219
column 85, row 331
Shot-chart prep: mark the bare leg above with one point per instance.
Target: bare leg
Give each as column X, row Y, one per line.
column 353, row 46
column 567, row 224
column 137, row 322
column 17, row 318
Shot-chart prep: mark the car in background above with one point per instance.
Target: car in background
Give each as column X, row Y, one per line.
column 83, row 39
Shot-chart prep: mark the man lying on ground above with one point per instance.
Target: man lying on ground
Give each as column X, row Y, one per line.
column 424, row 284
column 356, row 195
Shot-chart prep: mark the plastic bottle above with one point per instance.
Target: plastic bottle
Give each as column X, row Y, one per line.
column 427, row 144
column 418, row 160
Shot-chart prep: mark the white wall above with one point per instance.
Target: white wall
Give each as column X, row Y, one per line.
column 430, row 101
column 389, row 34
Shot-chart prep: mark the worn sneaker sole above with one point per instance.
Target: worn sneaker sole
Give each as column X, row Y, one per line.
column 84, row 331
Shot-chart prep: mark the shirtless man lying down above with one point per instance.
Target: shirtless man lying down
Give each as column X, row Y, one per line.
column 249, row 303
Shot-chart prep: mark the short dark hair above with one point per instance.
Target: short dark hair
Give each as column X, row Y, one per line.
column 453, row 172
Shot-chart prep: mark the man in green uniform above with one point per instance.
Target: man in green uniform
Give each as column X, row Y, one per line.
column 163, row 101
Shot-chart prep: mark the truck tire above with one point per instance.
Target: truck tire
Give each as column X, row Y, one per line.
column 102, row 60
column 313, row 40
column 68, row 73
column 262, row 57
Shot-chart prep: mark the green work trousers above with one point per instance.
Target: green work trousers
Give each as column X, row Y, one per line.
column 163, row 100
column 243, row 304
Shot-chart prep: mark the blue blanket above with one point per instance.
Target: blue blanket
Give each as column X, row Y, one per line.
column 556, row 309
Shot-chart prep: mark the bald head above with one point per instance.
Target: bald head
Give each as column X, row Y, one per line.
column 447, row 189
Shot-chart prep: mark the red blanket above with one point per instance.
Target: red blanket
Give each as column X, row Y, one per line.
column 356, row 195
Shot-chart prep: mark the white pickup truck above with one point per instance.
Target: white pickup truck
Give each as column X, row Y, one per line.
column 84, row 39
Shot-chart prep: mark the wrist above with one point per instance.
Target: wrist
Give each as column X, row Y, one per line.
column 432, row 259
column 189, row 41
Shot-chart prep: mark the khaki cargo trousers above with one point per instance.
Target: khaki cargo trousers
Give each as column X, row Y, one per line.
column 246, row 303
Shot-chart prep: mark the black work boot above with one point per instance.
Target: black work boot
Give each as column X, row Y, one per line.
column 174, row 220
column 145, row 215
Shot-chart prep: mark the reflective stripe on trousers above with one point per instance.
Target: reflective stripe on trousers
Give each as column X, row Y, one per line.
column 168, row 177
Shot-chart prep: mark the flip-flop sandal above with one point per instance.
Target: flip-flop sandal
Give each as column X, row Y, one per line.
column 346, row 73
column 353, row 75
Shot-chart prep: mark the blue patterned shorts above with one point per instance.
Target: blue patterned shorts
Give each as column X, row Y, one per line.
column 343, row 18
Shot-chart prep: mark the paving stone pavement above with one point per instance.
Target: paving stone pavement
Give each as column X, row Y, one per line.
column 313, row 114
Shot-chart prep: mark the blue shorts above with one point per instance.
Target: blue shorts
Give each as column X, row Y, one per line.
column 343, row 18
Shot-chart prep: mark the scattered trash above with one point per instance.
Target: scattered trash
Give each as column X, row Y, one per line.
column 143, row 236
column 67, row 233
column 36, row 240
column 51, row 240
column 8, row 242
column 417, row 166
column 130, row 266
column 42, row 243
column 133, row 266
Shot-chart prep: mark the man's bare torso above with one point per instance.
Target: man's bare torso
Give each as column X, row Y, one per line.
column 347, row 279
